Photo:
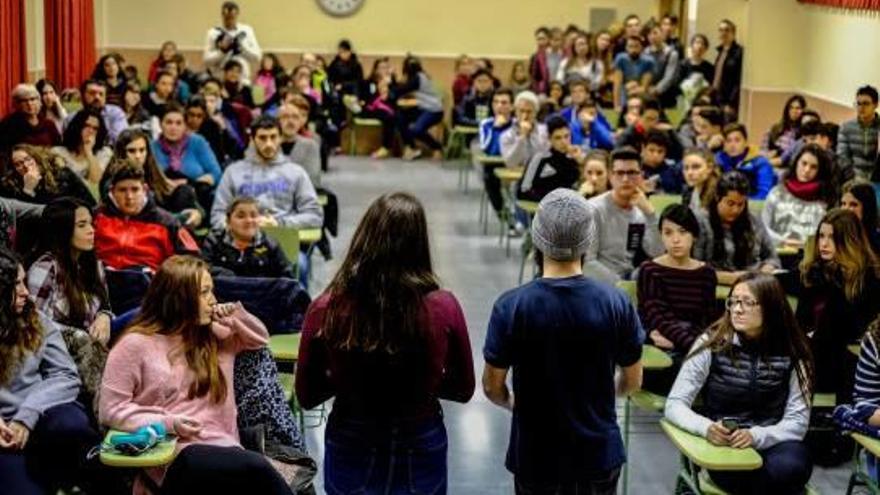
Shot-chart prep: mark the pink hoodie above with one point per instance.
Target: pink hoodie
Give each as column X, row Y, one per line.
column 147, row 380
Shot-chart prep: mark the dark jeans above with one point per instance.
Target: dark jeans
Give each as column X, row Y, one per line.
column 388, row 126
column 392, row 458
column 786, row 471
column 55, row 457
column 213, row 469
column 604, row 483
column 414, row 124
column 493, row 187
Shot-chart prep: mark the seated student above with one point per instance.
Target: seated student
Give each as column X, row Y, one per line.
column 67, row 284
column 560, row 166
column 227, row 115
column 301, row 150
column 184, row 155
column 131, row 230
column 732, row 239
column 381, row 107
column 595, row 175
column 519, row 79
column 565, row 336
column 579, row 93
column 345, row 70
column 477, row 104
column 860, row 197
column 794, row 208
column 24, row 124
column 757, row 336
column 865, row 391
column 84, row 147
column 633, row 71
column 282, row 189
column 242, row 249
column 581, row 64
column 45, row 434
column 233, row 84
column 51, row 107
column 738, row 155
column 135, row 113
column 553, row 103
column 649, row 118
column 822, row 135
column 675, row 292
column 782, row 135
column 174, row 365
column 701, row 176
column 625, row 222
column 708, row 124
column 662, row 175
column 591, row 129
column 222, row 142
column 94, row 95
column 840, row 297
column 526, row 137
column 108, row 70
column 38, row 176
column 423, row 109
column 491, row 130
column 12, row 214
column 156, row 99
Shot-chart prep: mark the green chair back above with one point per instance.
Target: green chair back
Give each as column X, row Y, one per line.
column 755, row 206
column 288, row 239
column 259, row 94
column 630, row 288
column 661, row 201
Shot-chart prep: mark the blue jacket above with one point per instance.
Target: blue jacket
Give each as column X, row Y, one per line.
column 600, row 135
column 671, row 178
column 757, row 168
column 490, row 136
column 198, row 159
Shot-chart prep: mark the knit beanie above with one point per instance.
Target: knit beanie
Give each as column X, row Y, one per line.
column 563, row 228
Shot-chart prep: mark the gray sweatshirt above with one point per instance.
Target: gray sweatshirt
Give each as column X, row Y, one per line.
column 282, row 189
column 518, row 150
column 609, row 256
column 786, row 216
column 763, row 251
column 690, row 380
column 307, row 154
column 45, row 379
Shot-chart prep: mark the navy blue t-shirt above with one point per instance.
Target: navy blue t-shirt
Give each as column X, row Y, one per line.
column 563, row 339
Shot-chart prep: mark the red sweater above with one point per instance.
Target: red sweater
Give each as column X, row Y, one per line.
column 377, row 386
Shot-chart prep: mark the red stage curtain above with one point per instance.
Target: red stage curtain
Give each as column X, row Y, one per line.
column 13, row 50
column 847, row 4
column 70, row 41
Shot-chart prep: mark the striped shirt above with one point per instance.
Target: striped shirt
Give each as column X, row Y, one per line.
column 867, row 387
column 678, row 303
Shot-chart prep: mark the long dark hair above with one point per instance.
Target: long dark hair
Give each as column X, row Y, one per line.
column 171, row 307
column 780, row 336
column 743, row 233
column 154, row 176
column 786, row 123
column 79, row 272
column 828, row 186
column 72, row 139
column 20, row 334
column 866, row 194
column 101, row 74
column 378, row 291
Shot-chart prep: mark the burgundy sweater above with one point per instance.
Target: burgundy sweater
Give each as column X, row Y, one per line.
column 377, row 386
column 678, row 303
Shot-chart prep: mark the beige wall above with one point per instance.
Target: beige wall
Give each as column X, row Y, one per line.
column 500, row 28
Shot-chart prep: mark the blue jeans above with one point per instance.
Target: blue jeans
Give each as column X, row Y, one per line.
column 414, row 125
column 392, row 458
column 786, row 471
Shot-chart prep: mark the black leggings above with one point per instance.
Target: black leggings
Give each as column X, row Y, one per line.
column 213, row 469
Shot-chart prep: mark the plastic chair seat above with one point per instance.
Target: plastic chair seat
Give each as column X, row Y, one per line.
column 648, row 401
column 530, row 207
column 824, row 400
column 466, row 130
column 285, row 347
column 161, row 454
column 653, row 358
column 661, row 201
column 367, row 122
column 287, row 383
column 508, row 175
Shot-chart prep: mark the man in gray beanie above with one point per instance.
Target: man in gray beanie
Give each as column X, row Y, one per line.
column 564, row 335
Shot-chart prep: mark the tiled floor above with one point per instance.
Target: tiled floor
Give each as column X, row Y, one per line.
column 475, row 268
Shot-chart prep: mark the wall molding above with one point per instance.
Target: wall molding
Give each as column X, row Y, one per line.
column 760, row 89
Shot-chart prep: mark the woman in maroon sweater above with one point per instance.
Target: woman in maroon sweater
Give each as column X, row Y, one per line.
column 676, row 294
column 387, row 342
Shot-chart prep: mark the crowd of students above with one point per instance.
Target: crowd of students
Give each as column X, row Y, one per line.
column 121, row 219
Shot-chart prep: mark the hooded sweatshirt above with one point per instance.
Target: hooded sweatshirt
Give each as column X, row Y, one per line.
column 756, row 168
column 282, row 190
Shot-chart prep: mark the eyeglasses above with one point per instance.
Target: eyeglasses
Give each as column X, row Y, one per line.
column 745, row 304
column 24, row 161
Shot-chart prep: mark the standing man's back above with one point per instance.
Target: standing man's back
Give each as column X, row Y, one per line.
column 564, row 335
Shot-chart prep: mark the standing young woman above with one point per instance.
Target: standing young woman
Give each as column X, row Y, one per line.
column 701, row 176
column 732, row 239
column 840, row 297
column 860, row 197
column 793, row 208
column 387, row 342
column 44, row 433
column 758, row 336
column 67, row 284
column 174, row 365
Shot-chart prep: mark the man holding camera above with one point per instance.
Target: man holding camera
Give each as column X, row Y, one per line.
column 231, row 41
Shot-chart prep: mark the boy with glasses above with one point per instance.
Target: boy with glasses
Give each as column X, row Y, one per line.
column 624, row 220
column 857, row 138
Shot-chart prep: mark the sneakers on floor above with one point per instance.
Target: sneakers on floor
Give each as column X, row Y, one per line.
column 411, row 154
column 380, row 153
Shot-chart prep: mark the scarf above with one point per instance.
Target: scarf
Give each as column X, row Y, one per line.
column 174, row 151
column 806, row 191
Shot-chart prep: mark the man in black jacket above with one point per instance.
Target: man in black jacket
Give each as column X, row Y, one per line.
column 728, row 67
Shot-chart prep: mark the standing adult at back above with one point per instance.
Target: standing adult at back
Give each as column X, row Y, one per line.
column 728, row 67
column 564, row 335
column 857, row 138
column 387, row 342
column 231, row 41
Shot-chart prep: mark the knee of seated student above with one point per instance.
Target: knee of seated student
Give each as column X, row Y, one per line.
column 789, row 462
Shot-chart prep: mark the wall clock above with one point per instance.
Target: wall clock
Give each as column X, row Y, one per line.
column 340, row 8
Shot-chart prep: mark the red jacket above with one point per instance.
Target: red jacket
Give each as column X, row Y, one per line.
column 145, row 239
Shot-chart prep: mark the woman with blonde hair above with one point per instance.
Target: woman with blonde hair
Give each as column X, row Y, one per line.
column 840, row 297
column 174, row 366
column 39, row 176
column 701, row 176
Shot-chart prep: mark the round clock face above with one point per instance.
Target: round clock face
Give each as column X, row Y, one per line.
column 340, row 8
